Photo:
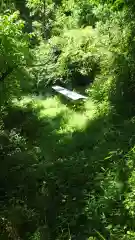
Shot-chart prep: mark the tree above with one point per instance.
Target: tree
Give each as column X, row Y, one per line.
column 14, row 51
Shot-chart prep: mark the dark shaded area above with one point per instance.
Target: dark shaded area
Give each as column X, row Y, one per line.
column 56, row 51
column 75, row 183
column 25, row 14
column 122, row 92
column 86, row 16
column 20, row 165
column 80, row 79
column 68, row 13
column 57, row 171
column 6, row 73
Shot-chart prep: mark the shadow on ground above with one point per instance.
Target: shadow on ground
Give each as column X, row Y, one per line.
column 71, row 185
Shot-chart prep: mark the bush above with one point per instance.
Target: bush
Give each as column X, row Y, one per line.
column 70, row 59
column 115, row 81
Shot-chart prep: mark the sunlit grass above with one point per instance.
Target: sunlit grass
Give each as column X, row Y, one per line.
column 72, row 120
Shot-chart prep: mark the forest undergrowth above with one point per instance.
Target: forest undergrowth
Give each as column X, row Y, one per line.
column 67, row 168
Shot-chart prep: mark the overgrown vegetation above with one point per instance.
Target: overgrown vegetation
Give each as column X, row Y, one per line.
column 67, row 170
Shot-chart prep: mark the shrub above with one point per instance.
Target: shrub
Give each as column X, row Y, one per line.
column 71, row 59
column 115, row 81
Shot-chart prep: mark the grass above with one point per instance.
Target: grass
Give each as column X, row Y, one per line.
column 81, row 175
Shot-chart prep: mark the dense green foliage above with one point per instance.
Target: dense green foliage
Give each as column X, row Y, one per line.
column 67, row 169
